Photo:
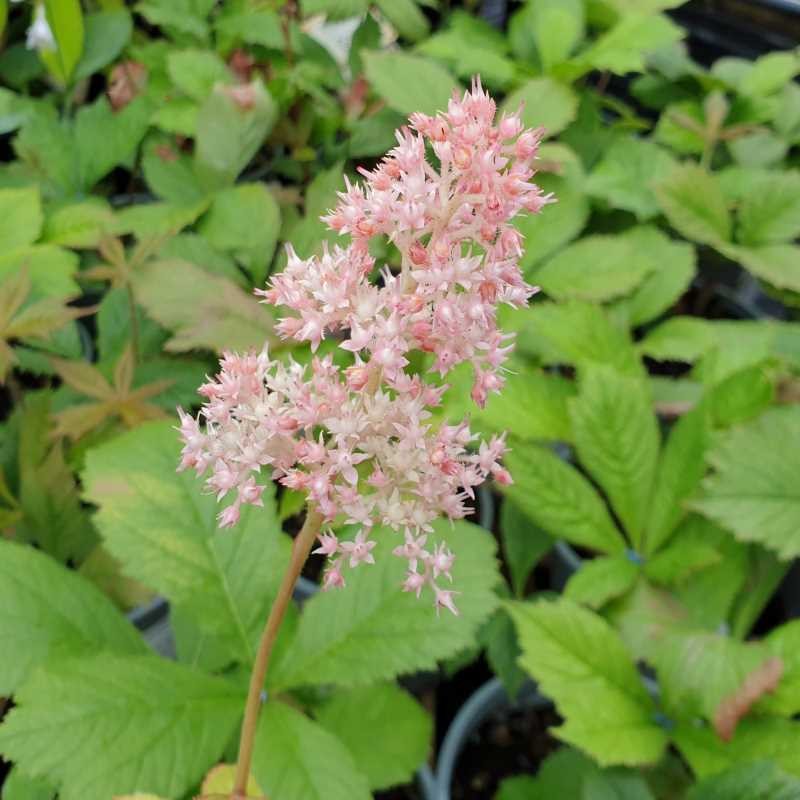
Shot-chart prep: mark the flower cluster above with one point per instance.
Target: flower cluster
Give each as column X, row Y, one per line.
column 359, row 441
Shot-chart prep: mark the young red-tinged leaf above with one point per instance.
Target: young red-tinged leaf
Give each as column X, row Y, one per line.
column 84, row 378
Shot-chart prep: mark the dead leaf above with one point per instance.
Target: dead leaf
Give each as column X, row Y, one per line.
column 127, row 80
column 733, row 707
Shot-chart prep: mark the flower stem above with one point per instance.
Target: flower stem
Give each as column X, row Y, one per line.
column 301, row 547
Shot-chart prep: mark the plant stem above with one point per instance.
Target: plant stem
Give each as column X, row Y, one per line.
column 134, row 321
column 301, row 547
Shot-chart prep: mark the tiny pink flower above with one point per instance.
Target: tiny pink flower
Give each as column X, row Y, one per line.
column 443, row 598
column 329, row 544
column 333, row 578
column 360, row 549
column 414, row 582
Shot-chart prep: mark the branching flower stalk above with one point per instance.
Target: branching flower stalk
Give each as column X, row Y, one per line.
column 359, row 441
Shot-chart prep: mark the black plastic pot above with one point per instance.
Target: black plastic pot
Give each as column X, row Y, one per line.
column 745, row 28
column 491, row 699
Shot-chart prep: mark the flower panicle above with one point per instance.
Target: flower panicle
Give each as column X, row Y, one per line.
column 360, row 441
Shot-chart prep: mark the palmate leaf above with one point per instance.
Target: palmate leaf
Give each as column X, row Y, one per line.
column 106, row 725
column 617, row 439
column 162, row 527
column 580, row 662
column 297, row 759
column 386, row 731
column 370, row 630
column 48, row 611
column 754, row 491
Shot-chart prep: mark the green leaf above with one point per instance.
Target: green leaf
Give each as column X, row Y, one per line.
column 158, row 725
column 736, row 344
column 105, row 35
column 66, row 22
column 104, row 139
column 546, row 102
column 386, row 731
column 581, row 334
column 53, row 518
column 759, row 149
column 499, row 637
column 681, row 559
column 741, row 396
column 566, row 773
column 622, row 49
column 170, row 173
column 520, row 787
column 297, row 759
column 161, row 525
column 259, row 26
column 201, row 310
column 195, row 72
column 617, row 439
column 177, row 17
column 696, row 670
column 711, row 594
column 626, row 175
column 545, row 398
column 679, row 127
column 754, row 490
column 769, row 73
column 157, row 219
column 601, row 579
column 245, row 221
column 45, row 145
column 559, row 222
column 680, row 470
column 467, row 55
column 560, row 500
column 558, row 26
column 675, row 267
column 78, row 225
column 778, row 264
column 524, row 544
column 770, row 209
column 396, row 77
column 761, row 780
column 784, row 643
column 232, row 124
column 695, row 206
column 596, row 268
column 581, row 663
column 48, row 612
column 371, row 630
column 374, row 135
column 51, row 269
column 410, row 22
column 334, row 9
column 20, row 216
column 769, row 739
column 18, row 786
